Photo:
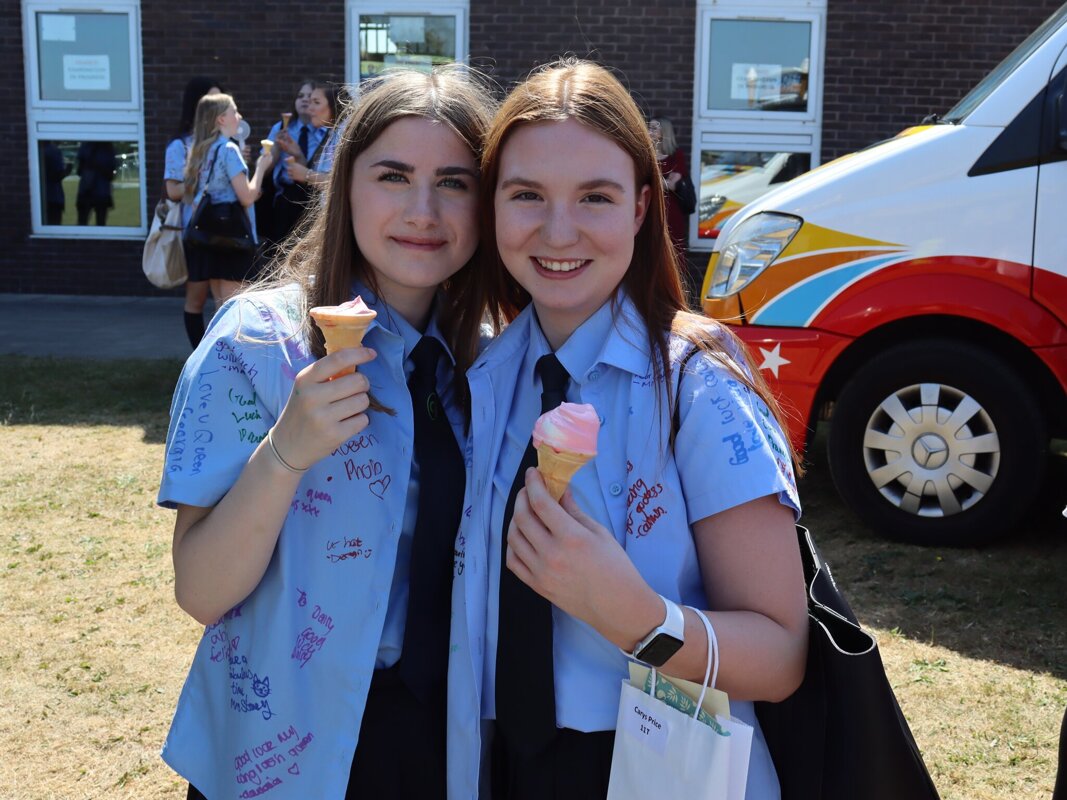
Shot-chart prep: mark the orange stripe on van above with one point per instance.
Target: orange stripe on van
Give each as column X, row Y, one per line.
column 811, row 238
column 784, row 276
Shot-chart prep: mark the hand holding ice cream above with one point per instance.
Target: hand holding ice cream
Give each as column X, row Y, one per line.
column 565, row 439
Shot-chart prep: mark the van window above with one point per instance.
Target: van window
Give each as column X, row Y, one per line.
column 1005, row 68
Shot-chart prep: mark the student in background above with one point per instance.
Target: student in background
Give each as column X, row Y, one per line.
column 197, row 286
column 324, row 109
column 216, row 168
column 300, row 139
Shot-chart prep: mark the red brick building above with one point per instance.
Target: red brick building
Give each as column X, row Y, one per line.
column 806, row 80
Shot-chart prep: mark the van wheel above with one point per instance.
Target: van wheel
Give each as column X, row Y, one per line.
column 937, row 443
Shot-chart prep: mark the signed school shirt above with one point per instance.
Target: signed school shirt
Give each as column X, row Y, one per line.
column 729, row 450
column 275, row 695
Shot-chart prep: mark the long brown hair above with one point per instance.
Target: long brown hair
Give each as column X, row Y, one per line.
column 205, row 134
column 589, row 93
column 322, row 255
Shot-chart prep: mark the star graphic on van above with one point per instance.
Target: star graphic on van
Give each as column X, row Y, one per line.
column 772, row 359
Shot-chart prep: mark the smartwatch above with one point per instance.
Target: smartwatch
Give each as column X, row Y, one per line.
column 664, row 641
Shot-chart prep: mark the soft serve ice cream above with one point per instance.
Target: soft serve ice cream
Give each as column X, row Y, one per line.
column 565, row 439
column 343, row 326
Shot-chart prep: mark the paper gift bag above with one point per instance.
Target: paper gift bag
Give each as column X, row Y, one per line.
column 662, row 752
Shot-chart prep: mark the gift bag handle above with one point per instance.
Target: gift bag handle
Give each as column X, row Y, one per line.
column 713, row 655
column 709, row 671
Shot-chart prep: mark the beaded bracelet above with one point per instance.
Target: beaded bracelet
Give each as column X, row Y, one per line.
column 277, row 455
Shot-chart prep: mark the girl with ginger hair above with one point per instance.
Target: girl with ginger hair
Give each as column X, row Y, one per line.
column 691, row 499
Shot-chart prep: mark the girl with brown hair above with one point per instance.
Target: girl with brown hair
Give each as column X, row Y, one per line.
column 691, row 498
column 316, row 525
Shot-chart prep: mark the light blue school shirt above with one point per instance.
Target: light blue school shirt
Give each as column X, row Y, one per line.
column 392, row 644
column 333, row 136
column 315, row 137
column 174, row 168
column 729, row 451
column 222, row 163
column 276, row 692
column 570, row 636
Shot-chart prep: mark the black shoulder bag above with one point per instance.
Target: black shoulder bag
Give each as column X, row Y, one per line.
column 219, row 227
column 841, row 735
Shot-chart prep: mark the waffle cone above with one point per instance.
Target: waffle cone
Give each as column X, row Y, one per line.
column 342, row 331
column 558, row 467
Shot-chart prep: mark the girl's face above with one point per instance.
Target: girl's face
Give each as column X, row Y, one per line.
column 303, row 99
column 567, row 212
column 319, row 109
column 414, row 196
column 227, row 122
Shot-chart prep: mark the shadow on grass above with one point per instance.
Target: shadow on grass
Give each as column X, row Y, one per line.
column 50, row 391
column 1006, row 602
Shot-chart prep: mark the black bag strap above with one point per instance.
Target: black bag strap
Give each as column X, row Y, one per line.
column 211, row 167
column 676, row 414
column 314, row 160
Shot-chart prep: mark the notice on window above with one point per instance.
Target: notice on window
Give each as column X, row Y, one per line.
column 407, row 30
column 87, row 73
column 413, row 61
column 57, row 28
column 754, row 82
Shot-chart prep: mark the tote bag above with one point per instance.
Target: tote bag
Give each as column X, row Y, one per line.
column 841, row 735
column 163, row 259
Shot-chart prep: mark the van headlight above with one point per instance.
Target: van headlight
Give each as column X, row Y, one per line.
column 749, row 249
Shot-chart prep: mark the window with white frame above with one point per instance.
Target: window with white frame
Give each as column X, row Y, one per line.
column 757, row 107
column 85, row 118
column 416, row 35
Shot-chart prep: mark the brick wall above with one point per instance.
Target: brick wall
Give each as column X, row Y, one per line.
column 257, row 51
column 888, row 65
column 648, row 45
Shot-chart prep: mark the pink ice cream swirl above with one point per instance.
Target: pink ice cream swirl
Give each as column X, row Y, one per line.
column 355, row 307
column 571, row 426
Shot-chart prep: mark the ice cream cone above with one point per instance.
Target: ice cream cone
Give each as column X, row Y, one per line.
column 558, row 467
column 266, row 144
column 342, row 329
column 286, row 116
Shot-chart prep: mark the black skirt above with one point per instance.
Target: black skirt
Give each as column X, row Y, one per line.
column 209, row 265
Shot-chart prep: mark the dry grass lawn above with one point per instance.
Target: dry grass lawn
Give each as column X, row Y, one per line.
column 93, row 650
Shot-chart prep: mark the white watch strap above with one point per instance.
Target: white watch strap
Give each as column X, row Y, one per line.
column 674, row 622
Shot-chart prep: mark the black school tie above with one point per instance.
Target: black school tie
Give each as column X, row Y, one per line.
column 525, row 685
column 424, row 659
column 303, row 141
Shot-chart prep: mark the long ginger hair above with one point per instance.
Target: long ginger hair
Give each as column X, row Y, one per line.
column 591, row 95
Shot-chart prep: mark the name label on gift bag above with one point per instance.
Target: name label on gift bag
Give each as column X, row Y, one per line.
column 646, row 724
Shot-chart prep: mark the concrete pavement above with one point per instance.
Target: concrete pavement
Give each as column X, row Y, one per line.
column 67, row 326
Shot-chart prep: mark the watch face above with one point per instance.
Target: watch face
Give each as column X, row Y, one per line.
column 659, row 651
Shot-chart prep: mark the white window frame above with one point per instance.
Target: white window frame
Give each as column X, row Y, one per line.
column 354, row 9
column 106, row 120
column 755, row 130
